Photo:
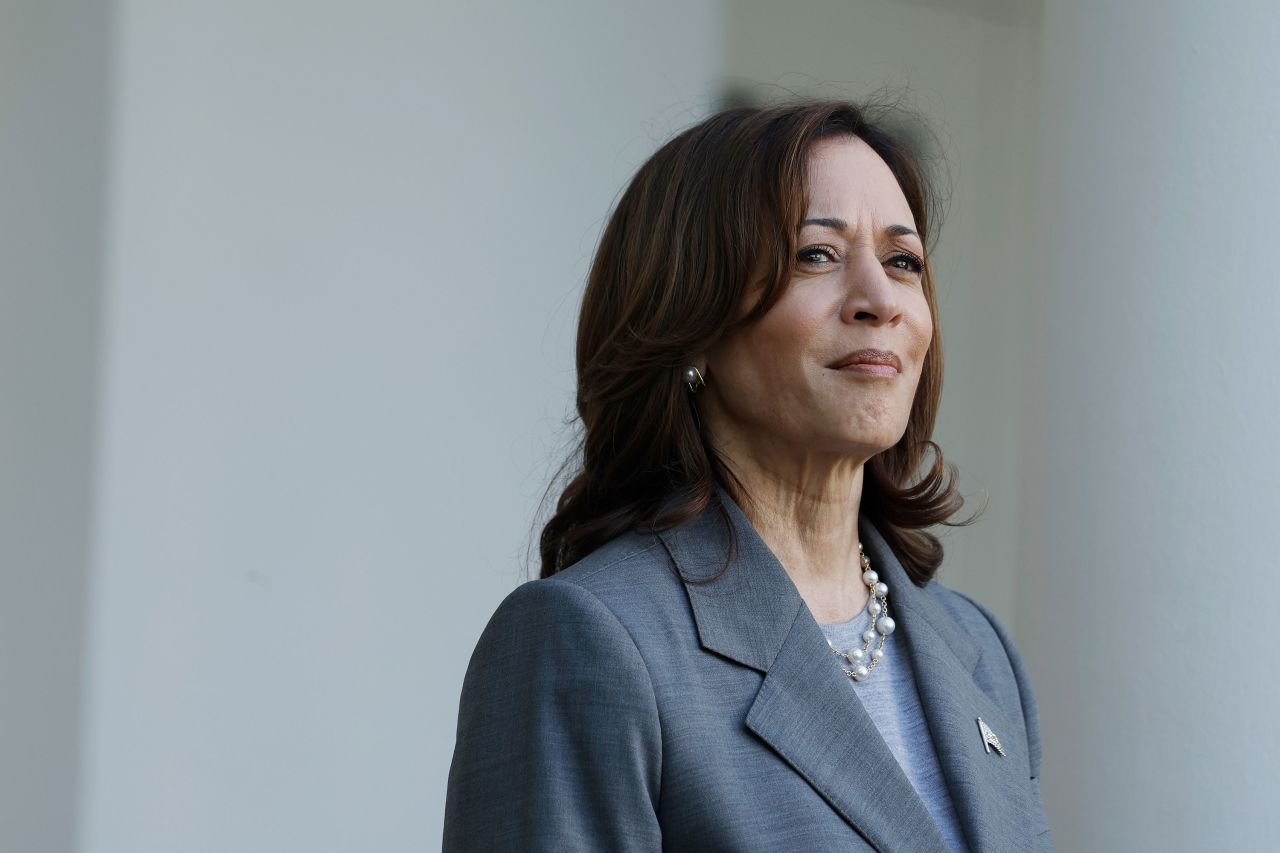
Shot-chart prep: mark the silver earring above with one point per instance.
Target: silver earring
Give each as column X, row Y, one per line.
column 693, row 378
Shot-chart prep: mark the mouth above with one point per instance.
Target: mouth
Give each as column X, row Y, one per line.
column 873, row 362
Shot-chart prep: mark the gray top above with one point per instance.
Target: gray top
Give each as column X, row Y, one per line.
column 890, row 698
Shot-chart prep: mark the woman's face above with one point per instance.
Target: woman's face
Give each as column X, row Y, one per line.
column 785, row 385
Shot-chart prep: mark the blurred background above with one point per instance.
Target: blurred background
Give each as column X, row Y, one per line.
column 287, row 301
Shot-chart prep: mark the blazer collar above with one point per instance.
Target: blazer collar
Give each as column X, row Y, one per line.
column 807, row 711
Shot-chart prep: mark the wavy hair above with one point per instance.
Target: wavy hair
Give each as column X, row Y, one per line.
column 714, row 212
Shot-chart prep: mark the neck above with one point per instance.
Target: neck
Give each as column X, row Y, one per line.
column 806, row 510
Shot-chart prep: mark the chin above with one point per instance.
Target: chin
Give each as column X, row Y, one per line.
column 862, row 446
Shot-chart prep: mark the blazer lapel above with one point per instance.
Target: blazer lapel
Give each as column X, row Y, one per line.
column 806, row 709
column 990, row 792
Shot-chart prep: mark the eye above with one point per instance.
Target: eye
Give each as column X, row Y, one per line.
column 816, row 255
column 912, row 263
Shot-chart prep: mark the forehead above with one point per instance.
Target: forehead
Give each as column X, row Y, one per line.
column 848, row 180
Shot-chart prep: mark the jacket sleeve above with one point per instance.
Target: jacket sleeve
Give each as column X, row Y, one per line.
column 1030, row 716
column 558, row 742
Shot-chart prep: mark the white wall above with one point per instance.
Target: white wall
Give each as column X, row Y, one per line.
column 346, row 243
column 1150, row 475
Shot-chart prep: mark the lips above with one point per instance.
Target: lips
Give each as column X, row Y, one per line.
column 868, row 356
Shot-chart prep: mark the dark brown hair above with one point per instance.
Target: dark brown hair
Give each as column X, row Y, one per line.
column 714, row 213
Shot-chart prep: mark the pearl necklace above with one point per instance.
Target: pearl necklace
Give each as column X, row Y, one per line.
column 878, row 607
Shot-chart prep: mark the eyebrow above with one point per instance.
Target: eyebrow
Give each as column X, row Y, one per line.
column 841, row 225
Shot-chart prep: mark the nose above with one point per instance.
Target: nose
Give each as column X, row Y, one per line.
column 871, row 293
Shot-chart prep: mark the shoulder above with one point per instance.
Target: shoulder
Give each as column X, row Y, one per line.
column 618, row 592
column 634, row 578
column 629, row 553
column 567, row 635
column 1001, row 665
column 556, row 707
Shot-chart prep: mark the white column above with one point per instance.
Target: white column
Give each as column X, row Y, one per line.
column 1148, row 598
column 53, row 117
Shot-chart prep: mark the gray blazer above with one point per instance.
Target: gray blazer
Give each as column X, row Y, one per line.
column 616, row 707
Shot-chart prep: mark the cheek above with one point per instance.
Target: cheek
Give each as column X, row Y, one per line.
column 765, row 368
column 761, row 365
column 922, row 327
column 787, row 332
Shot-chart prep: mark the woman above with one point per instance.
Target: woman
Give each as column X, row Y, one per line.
column 709, row 661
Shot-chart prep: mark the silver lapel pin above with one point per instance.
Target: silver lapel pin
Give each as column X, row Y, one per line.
column 989, row 738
